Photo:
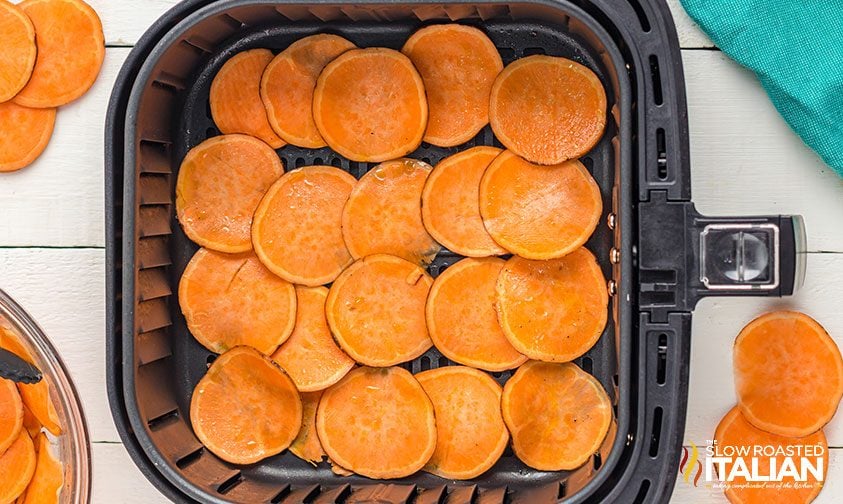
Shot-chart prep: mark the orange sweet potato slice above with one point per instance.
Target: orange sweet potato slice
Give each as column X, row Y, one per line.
column 539, row 212
column 462, row 320
column 232, row 299
column 553, row 310
column 31, row 423
column 17, row 465
column 383, row 214
column 311, row 356
column 458, row 65
column 35, row 396
column 451, row 203
column 375, row 310
column 470, row 433
column 71, row 49
column 17, row 59
column 220, row 184
column 11, row 413
column 788, row 374
column 245, row 408
column 288, row 83
column 378, row 423
column 548, row 109
column 370, row 105
column 235, row 98
column 735, row 433
column 297, row 228
column 557, row 414
column 306, row 446
column 48, row 479
column 24, row 134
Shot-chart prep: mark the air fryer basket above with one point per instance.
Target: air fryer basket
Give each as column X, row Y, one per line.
column 651, row 243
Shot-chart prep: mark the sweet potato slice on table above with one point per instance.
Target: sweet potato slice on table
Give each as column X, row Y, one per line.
column 35, row 396
column 220, row 184
column 71, row 49
column 297, row 228
column 230, row 300
column 458, row 65
column 311, row 356
column 236, row 104
column 245, row 408
column 470, row 433
column 548, row 109
column 383, row 214
column 17, row 58
column 462, row 320
column 539, row 212
column 24, row 134
column 370, row 105
column 451, row 203
column 288, row 83
column 17, row 465
column 375, row 310
column 378, row 423
column 306, row 446
column 788, row 373
column 557, row 414
column 11, row 413
column 48, row 479
column 735, row 433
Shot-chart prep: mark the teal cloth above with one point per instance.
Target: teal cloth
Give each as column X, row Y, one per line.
column 795, row 47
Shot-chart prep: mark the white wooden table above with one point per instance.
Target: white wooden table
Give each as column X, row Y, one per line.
column 745, row 161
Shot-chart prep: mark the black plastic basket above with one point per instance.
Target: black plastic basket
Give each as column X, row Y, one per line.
column 660, row 255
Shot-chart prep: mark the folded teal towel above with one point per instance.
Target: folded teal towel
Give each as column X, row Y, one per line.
column 795, row 47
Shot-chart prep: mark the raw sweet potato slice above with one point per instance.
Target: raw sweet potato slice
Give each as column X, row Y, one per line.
column 48, row 479
column 232, row 299
column 11, row 413
column 557, row 414
column 297, row 227
column 553, row 310
column 451, row 203
column 306, row 446
column 30, row 423
column 458, row 65
column 288, row 83
column 220, row 184
column 17, row 465
column 235, row 98
column 470, row 433
column 539, row 212
column 788, row 374
column 370, row 105
column 245, row 408
column 735, row 433
column 311, row 356
column 548, row 109
column 71, row 49
column 35, row 396
column 17, row 58
column 462, row 320
column 378, row 423
column 375, row 310
column 383, row 214
column 24, row 134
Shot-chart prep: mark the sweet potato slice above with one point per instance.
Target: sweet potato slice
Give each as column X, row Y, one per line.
column 220, row 184
column 553, row 310
column 11, row 413
column 375, row 310
column 17, row 465
column 370, row 105
column 557, row 414
column 71, row 49
column 230, row 300
column 235, row 98
column 288, row 83
column 470, row 433
column 788, row 374
column 35, row 396
column 245, row 408
column 24, row 134
column 306, row 446
column 17, row 59
column 451, row 203
column 548, row 109
column 378, row 423
column 458, row 65
column 383, row 214
column 735, row 433
column 297, row 228
column 48, row 479
column 539, row 212
column 311, row 356
column 462, row 320
column 31, row 423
